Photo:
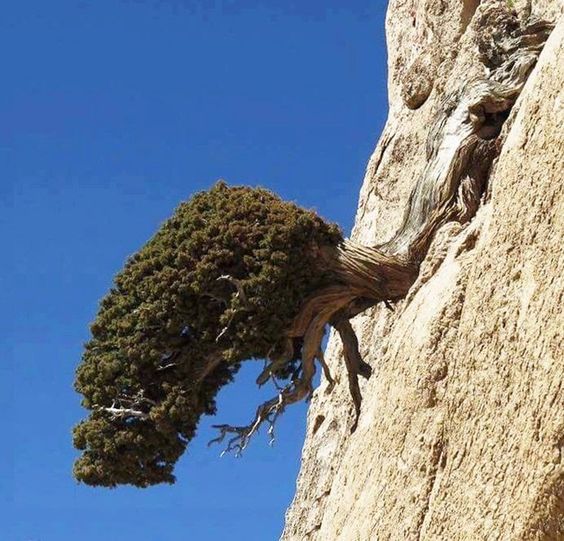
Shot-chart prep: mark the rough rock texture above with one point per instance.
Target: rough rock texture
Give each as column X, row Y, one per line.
column 461, row 434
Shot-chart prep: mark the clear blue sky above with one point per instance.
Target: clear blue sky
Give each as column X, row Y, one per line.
column 111, row 113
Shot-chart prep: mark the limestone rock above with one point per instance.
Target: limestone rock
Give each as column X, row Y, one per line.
column 461, row 435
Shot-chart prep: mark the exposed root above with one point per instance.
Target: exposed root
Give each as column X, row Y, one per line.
column 460, row 150
column 326, row 371
column 354, row 363
column 351, row 349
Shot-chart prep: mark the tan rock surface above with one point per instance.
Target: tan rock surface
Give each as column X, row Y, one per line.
column 461, row 434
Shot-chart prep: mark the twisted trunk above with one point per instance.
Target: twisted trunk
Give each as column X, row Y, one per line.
column 460, row 150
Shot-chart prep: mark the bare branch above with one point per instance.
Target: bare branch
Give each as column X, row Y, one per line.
column 238, row 443
column 268, row 412
column 126, row 406
column 135, row 400
column 123, row 412
column 224, row 330
column 271, row 368
column 238, row 285
column 240, row 295
column 166, row 367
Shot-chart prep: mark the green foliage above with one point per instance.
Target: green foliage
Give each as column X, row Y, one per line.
column 169, row 334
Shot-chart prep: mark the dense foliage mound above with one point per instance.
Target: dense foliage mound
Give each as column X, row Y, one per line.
column 219, row 283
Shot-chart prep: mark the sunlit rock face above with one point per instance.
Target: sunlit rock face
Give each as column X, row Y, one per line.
column 461, row 433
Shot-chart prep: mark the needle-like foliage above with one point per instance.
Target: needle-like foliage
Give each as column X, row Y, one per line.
column 218, row 284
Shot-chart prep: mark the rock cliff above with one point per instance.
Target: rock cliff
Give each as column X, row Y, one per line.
column 461, row 432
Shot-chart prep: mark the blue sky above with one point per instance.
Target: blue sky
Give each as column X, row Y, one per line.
column 111, row 113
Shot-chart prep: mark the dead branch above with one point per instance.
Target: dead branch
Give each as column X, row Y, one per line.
column 239, row 286
column 126, row 406
column 123, row 412
column 267, row 412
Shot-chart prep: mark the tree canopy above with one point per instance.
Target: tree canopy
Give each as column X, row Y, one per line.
column 219, row 283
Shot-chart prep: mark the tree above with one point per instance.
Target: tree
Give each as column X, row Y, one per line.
column 238, row 274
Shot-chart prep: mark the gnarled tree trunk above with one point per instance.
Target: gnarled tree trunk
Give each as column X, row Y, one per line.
column 460, row 149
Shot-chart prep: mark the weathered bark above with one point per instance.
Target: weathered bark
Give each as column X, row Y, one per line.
column 459, row 152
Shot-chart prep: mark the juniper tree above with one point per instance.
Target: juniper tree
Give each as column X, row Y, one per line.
column 237, row 274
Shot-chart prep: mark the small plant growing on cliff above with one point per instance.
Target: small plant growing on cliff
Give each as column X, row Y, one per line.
column 238, row 274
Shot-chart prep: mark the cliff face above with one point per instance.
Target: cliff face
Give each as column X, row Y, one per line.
column 461, row 434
